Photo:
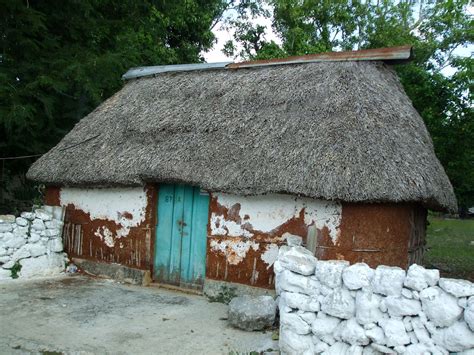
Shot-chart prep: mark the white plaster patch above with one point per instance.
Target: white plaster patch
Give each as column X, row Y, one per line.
column 125, row 206
column 268, row 212
column 270, row 255
column 106, row 236
column 221, row 226
column 235, row 251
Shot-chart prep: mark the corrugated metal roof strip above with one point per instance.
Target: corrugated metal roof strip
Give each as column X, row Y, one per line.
column 392, row 55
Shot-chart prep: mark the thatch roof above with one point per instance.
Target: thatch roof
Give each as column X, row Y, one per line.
column 333, row 130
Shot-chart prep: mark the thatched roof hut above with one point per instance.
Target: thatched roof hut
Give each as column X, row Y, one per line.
column 335, row 129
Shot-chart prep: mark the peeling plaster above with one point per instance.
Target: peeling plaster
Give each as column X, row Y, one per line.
column 265, row 213
column 124, row 206
column 106, row 236
column 270, row 255
column 235, row 251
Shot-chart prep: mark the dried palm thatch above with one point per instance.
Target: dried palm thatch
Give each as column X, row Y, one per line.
column 334, row 130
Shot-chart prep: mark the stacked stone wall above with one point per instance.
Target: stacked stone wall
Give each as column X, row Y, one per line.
column 332, row 307
column 31, row 244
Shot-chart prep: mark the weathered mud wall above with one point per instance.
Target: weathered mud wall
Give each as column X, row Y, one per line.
column 110, row 224
column 377, row 234
column 245, row 233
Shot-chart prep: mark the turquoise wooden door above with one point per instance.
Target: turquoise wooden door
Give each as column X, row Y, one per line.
column 181, row 234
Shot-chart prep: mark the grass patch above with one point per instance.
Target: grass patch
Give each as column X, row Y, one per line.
column 450, row 245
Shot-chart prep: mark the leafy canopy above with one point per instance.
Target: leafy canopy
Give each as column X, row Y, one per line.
column 434, row 28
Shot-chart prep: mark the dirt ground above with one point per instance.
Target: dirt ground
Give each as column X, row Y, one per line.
column 81, row 315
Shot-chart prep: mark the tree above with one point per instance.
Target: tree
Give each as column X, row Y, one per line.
column 434, row 28
column 60, row 59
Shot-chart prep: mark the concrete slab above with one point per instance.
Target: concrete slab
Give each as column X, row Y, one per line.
column 82, row 315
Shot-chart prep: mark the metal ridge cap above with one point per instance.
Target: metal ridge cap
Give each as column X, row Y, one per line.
column 138, row 72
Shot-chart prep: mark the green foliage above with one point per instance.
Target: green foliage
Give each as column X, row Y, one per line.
column 224, row 295
column 60, row 59
column 450, row 245
column 434, row 28
column 15, row 270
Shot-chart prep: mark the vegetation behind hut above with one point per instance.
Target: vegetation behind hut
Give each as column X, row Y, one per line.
column 59, row 60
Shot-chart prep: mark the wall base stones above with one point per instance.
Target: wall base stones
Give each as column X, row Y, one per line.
column 330, row 307
column 31, row 244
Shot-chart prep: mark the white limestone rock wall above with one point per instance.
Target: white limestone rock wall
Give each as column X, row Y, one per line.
column 31, row 244
column 331, row 307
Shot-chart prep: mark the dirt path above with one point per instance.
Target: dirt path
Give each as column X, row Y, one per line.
column 80, row 315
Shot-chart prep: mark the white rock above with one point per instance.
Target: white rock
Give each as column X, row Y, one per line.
column 356, row 350
column 338, row 348
column 440, row 307
column 299, row 260
column 407, row 323
column 3, row 251
column 413, row 338
column 7, row 219
column 22, row 222
column 22, row 253
column 34, row 237
column 292, row 343
column 369, row 350
column 28, row 215
column 376, row 334
column 291, row 282
column 45, row 265
column 418, row 349
column 54, row 224
column 329, row 272
column 407, row 293
column 351, row 332
column 420, row 331
column 9, row 264
column 4, row 259
column 367, row 307
column 458, row 288
column 50, row 233
column 301, row 301
column 58, row 213
column 308, row 317
column 20, row 231
column 357, row 276
column 400, row 349
column 324, row 325
column 462, row 302
column 381, row 349
column 388, row 280
column 5, row 274
column 339, row 303
column 277, row 268
column 398, row 306
column 37, row 249
column 42, row 214
column 292, row 240
column 430, row 326
column 55, row 245
column 294, row 322
column 6, row 227
column 395, row 333
column 38, row 225
column 14, row 242
column 469, row 313
column 320, row 346
column 418, row 278
column 457, row 337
